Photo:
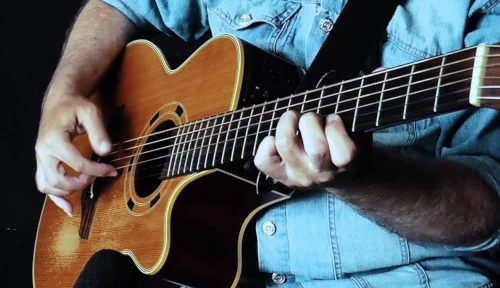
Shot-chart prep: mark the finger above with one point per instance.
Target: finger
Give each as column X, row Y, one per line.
column 287, row 142
column 62, row 203
column 56, row 177
column 342, row 147
column 379, row 69
column 91, row 120
column 44, row 185
column 268, row 160
column 314, row 141
column 64, row 150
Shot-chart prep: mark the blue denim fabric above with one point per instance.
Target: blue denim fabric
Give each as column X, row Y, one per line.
column 321, row 241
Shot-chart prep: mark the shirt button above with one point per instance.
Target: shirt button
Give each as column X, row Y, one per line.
column 269, row 228
column 326, row 25
column 245, row 18
column 278, row 278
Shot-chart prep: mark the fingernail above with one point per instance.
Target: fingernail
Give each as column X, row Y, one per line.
column 113, row 174
column 332, row 117
column 69, row 214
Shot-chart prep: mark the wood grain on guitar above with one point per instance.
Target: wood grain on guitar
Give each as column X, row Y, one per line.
column 180, row 205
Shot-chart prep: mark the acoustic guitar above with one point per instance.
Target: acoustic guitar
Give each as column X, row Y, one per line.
column 184, row 200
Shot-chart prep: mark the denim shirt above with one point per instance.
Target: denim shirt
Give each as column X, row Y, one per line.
column 317, row 240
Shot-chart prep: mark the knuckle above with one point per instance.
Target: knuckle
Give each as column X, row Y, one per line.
column 78, row 165
column 325, row 177
column 53, row 181
column 306, row 182
column 90, row 109
column 41, row 186
column 39, row 148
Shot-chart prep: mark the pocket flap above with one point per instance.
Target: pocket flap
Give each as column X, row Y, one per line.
column 242, row 14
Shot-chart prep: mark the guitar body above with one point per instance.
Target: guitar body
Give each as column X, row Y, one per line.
column 191, row 228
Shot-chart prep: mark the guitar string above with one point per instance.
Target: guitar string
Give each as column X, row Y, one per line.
column 204, row 120
column 331, row 86
column 235, row 139
column 158, row 174
column 190, row 133
column 272, row 129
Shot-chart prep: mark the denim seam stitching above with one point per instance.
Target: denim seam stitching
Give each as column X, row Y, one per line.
column 328, row 200
column 488, row 6
column 337, row 262
column 405, row 259
column 424, row 278
column 290, row 11
column 287, row 238
column 355, row 280
column 487, row 285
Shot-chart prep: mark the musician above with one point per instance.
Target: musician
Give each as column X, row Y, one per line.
column 424, row 212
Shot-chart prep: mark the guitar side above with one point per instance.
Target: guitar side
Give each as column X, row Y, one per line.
column 171, row 226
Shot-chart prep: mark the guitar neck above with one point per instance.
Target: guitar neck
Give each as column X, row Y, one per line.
column 390, row 97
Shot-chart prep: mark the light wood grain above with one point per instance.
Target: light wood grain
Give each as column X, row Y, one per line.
column 207, row 84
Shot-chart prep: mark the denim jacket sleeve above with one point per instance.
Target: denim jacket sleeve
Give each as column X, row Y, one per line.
column 472, row 137
column 184, row 19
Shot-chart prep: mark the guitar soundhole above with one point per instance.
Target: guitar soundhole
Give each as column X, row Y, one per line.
column 152, row 159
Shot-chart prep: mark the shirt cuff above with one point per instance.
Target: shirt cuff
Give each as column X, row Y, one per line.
column 128, row 11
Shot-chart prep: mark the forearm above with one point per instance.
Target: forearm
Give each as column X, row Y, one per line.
column 426, row 201
column 98, row 35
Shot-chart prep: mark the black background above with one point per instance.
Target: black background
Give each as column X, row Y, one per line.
column 31, row 37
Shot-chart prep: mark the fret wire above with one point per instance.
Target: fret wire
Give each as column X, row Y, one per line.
column 177, row 155
column 210, row 139
column 236, row 136
column 357, row 104
column 384, row 100
column 375, row 83
column 397, row 87
column 246, row 132
column 173, row 153
column 196, row 144
column 289, row 104
column 439, row 84
column 183, row 147
column 258, row 129
column 408, row 92
column 218, row 137
column 304, row 101
column 450, row 93
column 227, row 135
column 338, row 97
column 203, row 141
column 189, row 146
column 272, row 118
column 320, row 98
column 380, row 101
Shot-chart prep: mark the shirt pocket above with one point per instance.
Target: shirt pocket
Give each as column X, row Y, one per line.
column 255, row 21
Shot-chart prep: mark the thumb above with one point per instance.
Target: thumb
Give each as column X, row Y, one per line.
column 62, row 203
column 91, row 120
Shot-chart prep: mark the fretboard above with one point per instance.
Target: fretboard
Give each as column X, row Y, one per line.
column 387, row 98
